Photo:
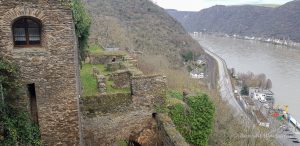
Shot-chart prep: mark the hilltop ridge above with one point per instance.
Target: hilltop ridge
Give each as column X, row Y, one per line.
column 247, row 20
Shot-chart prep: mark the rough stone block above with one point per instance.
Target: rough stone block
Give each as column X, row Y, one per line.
column 101, row 84
column 121, row 78
column 96, row 72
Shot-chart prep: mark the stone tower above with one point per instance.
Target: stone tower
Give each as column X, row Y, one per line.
column 39, row 35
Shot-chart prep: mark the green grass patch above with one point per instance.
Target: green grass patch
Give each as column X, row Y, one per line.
column 110, row 83
column 175, row 94
column 174, row 101
column 89, row 83
column 102, row 69
column 94, row 49
column 121, row 143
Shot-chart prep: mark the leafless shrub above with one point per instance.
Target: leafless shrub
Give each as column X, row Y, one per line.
column 252, row 80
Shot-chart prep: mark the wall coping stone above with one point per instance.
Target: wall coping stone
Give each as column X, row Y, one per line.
column 166, row 123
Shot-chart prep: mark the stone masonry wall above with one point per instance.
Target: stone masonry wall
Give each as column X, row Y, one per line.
column 105, row 103
column 107, row 129
column 105, row 59
column 148, row 90
column 121, row 78
column 101, row 80
column 114, row 66
column 52, row 66
column 168, row 133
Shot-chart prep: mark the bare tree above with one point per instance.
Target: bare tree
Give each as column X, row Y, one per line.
column 269, row 84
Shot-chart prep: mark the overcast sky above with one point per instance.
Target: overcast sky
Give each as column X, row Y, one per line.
column 196, row 5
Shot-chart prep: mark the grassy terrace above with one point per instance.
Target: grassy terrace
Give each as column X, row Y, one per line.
column 94, row 49
column 89, row 82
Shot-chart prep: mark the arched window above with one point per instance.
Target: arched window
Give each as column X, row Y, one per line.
column 27, row 32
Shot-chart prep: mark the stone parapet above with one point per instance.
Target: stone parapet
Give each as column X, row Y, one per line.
column 105, row 103
column 168, row 133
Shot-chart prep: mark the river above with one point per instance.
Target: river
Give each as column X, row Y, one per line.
column 281, row 64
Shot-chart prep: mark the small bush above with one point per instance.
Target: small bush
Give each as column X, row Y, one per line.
column 245, row 90
column 195, row 123
column 83, row 22
column 187, row 56
column 175, row 94
column 17, row 127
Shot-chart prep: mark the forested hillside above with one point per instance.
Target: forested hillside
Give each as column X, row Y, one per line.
column 260, row 21
column 139, row 25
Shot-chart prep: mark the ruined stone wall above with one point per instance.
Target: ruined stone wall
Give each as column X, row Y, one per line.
column 105, row 103
column 137, row 125
column 148, row 90
column 105, row 59
column 101, row 84
column 52, row 66
column 168, row 133
column 121, row 78
column 114, row 66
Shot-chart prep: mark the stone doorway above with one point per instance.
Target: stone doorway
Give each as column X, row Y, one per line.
column 33, row 103
column 133, row 143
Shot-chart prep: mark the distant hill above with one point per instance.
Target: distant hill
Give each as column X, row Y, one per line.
column 139, row 25
column 268, row 5
column 280, row 22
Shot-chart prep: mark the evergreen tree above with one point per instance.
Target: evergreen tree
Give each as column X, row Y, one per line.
column 245, row 90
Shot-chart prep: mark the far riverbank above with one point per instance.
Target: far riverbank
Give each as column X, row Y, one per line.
column 280, row 63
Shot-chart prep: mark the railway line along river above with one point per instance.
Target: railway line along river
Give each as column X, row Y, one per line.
column 280, row 63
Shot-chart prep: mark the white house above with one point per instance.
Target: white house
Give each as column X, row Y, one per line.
column 268, row 93
column 260, row 94
column 196, row 74
column 253, row 90
column 200, row 62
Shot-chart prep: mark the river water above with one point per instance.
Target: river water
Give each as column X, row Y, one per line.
column 281, row 64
